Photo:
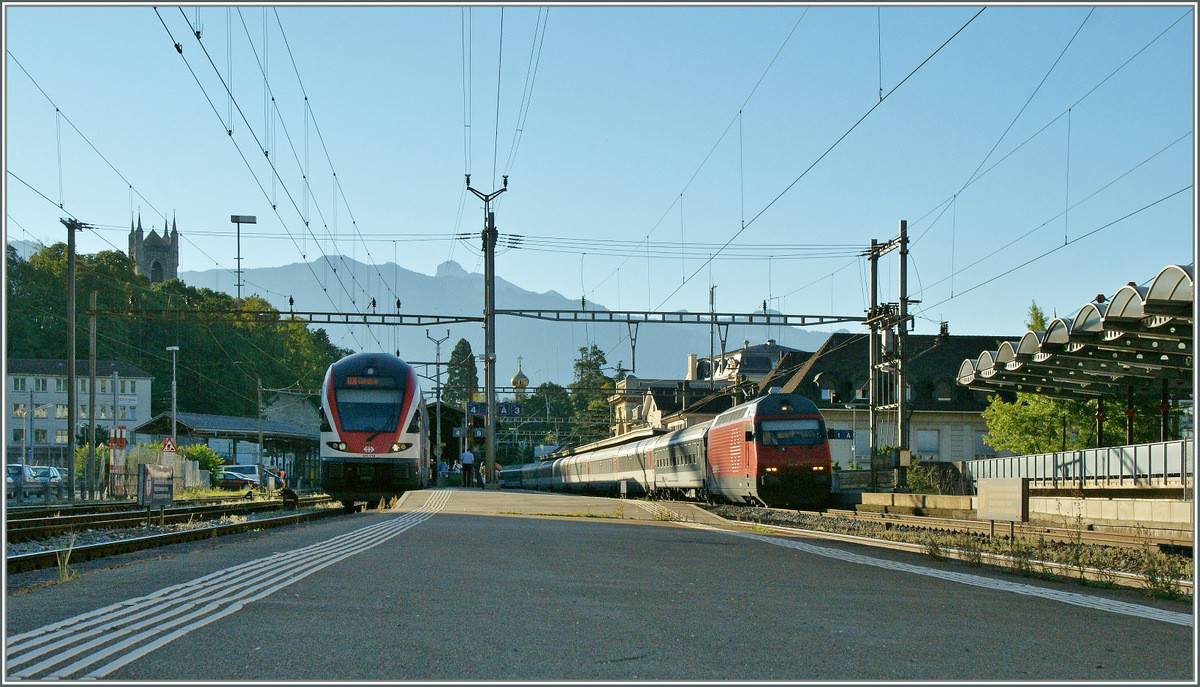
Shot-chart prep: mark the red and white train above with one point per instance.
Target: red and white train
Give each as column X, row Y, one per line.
column 773, row 450
column 374, row 430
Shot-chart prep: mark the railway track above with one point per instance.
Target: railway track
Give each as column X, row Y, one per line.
column 48, row 523
column 119, row 516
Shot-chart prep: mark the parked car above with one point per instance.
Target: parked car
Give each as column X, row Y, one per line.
column 43, row 474
column 36, row 477
column 251, row 472
column 235, row 481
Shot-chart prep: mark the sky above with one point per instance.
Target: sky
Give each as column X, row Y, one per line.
column 1037, row 153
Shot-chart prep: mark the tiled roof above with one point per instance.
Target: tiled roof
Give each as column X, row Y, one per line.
column 58, row 368
column 931, row 359
column 224, row 425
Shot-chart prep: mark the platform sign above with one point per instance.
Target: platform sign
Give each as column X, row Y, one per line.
column 478, row 433
column 155, row 484
column 475, row 408
column 458, row 432
column 509, row 409
column 841, row 434
column 1003, row 499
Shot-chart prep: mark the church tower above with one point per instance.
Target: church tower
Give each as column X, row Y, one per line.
column 155, row 256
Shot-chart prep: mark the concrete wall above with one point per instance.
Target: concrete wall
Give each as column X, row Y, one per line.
column 1054, row 511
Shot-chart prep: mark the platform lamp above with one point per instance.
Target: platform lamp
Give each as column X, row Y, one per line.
column 174, row 409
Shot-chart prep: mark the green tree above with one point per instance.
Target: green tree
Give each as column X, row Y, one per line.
column 590, row 393
column 548, row 413
column 462, row 377
column 206, row 457
column 1035, row 423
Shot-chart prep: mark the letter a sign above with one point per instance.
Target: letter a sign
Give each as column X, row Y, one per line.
column 168, row 445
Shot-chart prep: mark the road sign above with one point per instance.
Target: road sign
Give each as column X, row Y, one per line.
column 168, row 445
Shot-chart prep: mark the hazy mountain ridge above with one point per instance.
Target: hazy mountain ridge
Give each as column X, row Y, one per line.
column 548, row 349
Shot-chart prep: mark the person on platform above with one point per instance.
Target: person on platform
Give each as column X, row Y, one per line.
column 468, row 467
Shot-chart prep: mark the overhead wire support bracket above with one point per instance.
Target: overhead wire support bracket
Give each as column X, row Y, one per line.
column 641, row 316
column 275, row 317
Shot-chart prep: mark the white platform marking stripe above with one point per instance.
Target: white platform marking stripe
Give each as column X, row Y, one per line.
column 1073, row 598
column 115, row 621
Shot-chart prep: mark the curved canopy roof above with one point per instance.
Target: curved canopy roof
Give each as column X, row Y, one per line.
column 1137, row 339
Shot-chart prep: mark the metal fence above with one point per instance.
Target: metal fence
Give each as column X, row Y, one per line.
column 1161, row 464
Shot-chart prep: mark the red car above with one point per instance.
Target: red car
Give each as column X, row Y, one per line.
column 235, row 481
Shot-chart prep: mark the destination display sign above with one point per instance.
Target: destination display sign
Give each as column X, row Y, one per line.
column 371, row 381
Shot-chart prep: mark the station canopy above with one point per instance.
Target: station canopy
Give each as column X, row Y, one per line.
column 1139, row 340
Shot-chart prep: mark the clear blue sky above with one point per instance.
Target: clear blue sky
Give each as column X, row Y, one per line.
column 1032, row 127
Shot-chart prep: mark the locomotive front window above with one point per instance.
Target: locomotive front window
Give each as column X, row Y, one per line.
column 798, row 432
column 369, row 410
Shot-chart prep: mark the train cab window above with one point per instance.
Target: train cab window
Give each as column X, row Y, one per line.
column 369, row 410
column 797, row 432
column 414, row 427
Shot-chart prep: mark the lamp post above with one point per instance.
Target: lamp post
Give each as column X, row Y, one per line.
column 438, row 371
column 28, row 434
column 239, row 220
column 174, row 418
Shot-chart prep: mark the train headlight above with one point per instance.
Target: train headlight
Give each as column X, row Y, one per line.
column 337, row 445
column 818, row 468
column 772, row 469
column 398, row 447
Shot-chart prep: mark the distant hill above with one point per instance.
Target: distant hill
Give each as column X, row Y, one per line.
column 548, row 349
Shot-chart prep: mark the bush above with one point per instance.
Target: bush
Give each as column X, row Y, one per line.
column 206, row 457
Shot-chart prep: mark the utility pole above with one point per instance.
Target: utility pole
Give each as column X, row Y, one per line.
column 885, row 317
column 438, row 371
column 489, row 317
column 72, row 225
column 90, row 470
column 712, row 363
column 261, row 477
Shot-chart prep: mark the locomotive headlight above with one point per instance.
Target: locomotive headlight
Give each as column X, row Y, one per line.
column 818, row 468
column 772, row 469
column 338, row 445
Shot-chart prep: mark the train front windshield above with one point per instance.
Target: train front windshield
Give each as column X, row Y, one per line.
column 797, row 432
column 369, row 410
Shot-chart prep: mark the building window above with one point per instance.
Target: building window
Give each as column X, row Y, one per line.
column 982, row 450
column 18, row 434
column 60, row 384
column 826, row 394
column 40, row 411
column 39, row 384
column 943, row 392
column 18, row 410
column 39, row 436
column 83, row 411
column 133, row 386
column 122, row 386
column 863, row 393
column 132, row 412
column 60, row 410
column 60, row 436
column 104, row 386
column 18, row 383
column 102, row 412
column 121, row 410
column 83, row 386
column 928, row 442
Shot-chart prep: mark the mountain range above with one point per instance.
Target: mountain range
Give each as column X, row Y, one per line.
column 547, row 350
